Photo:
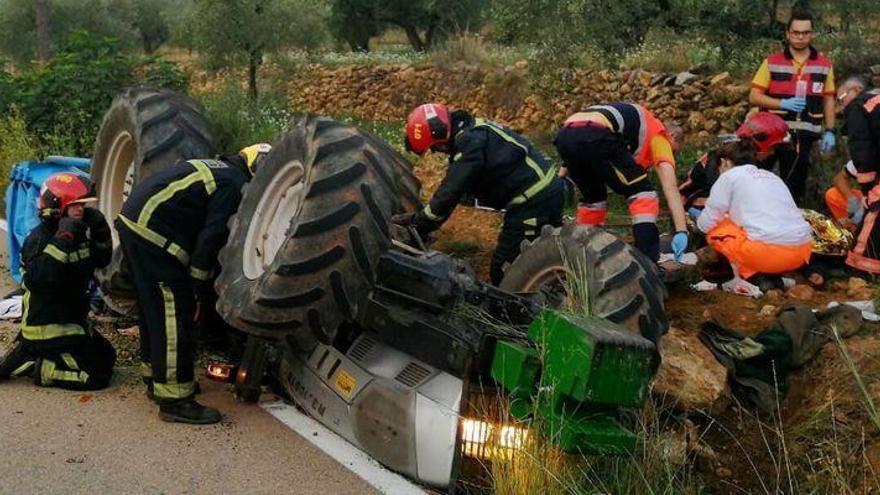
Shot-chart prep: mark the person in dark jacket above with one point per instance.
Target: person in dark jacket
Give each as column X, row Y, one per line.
column 58, row 261
column 615, row 145
column 171, row 228
column 861, row 107
column 499, row 167
column 770, row 133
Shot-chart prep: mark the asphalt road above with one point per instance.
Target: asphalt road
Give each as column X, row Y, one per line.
column 112, row 441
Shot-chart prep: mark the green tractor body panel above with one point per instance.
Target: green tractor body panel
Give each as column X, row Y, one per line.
column 582, row 373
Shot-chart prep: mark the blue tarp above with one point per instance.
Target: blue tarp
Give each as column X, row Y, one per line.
column 21, row 199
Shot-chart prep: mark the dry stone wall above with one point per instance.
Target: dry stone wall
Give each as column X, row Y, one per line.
column 704, row 104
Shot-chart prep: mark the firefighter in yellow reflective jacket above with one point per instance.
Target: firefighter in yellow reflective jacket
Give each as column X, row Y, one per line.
column 496, row 165
column 171, row 228
column 56, row 345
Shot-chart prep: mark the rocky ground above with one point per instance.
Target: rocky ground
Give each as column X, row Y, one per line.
column 823, row 439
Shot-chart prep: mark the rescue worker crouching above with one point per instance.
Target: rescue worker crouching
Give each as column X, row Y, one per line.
column 613, row 146
column 171, row 228
column 844, row 202
column 769, row 133
column 493, row 163
column 752, row 220
column 861, row 108
column 58, row 261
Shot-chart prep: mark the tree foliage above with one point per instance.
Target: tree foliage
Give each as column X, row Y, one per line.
column 425, row 22
column 231, row 33
column 63, row 101
column 133, row 23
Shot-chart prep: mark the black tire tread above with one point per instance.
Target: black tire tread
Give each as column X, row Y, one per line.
column 624, row 286
column 167, row 127
column 354, row 185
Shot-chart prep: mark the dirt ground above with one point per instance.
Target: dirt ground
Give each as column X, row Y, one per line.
column 822, row 438
column 111, row 441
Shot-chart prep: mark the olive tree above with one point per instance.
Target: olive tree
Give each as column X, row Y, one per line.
column 232, row 33
column 425, row 22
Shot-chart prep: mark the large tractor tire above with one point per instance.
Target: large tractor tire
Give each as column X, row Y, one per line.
column 144, row 131
column 623, row 286
column 305, row 242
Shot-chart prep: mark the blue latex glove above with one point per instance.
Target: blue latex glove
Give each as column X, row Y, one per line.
column 694, row 212
column 828, row 142
column 793, row 104
column 679, row 244
column 855, row 210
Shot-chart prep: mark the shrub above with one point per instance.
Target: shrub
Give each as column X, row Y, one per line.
column 238, row 120
column 64, row 101
column 156, row 72
column 7, row 88
column 853, row 52
column 70, row 94
column 16, row 145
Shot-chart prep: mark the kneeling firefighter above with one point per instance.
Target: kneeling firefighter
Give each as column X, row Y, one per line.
column 58, row 261
column 171, row 228
column 493, row 163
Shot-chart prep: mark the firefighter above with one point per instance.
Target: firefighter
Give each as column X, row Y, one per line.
column 861, row 108
column 56, row 344
column 797, row 84
column 171, row 228
column 614, row 145
column 494, row 164
column 770, row 133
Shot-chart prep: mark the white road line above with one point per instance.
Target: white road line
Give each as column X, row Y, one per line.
column 338, row 448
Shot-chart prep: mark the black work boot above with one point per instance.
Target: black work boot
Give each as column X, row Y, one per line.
column 188, row 411
column 15, row 359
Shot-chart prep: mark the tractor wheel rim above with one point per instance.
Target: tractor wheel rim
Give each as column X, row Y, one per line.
column 117, row 177
column 550, row 283
column 267, row 232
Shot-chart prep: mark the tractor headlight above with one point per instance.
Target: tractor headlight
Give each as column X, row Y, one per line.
column 487, row 440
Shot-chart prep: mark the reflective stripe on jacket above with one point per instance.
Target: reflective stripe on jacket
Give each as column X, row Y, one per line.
column 784, row 77
column 634, row 123
column 184, row 210
column 56, row 272
column 497, row 165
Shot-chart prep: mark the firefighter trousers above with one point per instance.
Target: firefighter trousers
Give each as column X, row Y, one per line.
column 80, row 362
column 598, row 159
column 524, row 222
column 167, row 308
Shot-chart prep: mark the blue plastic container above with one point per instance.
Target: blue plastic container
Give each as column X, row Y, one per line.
column 22, row 214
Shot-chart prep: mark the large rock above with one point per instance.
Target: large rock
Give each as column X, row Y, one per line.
column 684, row 77
column 690, row 375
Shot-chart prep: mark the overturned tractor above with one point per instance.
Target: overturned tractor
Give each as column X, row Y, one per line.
column 391, row 345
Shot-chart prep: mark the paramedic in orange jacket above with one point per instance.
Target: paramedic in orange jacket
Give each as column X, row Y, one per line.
column 615, row 145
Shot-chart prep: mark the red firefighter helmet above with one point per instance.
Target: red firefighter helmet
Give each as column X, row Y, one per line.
column 62, row 190
column 768, row 130
column 427, row 126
